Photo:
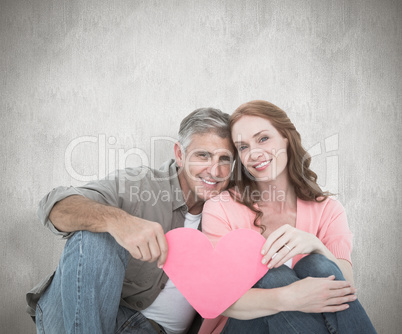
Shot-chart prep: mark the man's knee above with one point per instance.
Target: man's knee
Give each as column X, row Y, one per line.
column 317, row 265
column 277, row 277
column 97, row 247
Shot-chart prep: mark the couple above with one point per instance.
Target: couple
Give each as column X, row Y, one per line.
column 110, row 277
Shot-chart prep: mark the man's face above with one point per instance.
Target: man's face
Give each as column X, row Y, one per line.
column 205, row 167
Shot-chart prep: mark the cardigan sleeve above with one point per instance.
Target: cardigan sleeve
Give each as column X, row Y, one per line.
column 334, row 231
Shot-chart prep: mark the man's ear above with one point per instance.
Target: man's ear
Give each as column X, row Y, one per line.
column 178, row 154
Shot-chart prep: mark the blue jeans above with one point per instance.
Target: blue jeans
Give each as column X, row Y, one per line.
column 353, row 320
column 84, row 295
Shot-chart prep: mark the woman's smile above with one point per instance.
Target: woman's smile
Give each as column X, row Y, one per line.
column 260, row 166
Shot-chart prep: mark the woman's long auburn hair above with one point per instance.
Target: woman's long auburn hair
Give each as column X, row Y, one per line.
column 303, row 179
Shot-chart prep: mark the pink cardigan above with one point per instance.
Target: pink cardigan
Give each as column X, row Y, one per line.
column 326, row 220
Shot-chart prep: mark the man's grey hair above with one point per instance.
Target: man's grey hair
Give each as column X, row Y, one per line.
column 202, row 121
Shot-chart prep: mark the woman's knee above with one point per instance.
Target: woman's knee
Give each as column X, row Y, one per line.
column 317, row 265
column 277, row 277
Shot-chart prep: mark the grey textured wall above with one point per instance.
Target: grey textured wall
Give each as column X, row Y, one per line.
column 122, row 72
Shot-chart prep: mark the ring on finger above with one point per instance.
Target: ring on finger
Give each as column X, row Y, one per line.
column 285, row 245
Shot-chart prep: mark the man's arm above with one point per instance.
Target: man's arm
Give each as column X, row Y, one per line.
column 145, row 240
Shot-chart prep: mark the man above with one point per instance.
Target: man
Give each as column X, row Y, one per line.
column 110, row 276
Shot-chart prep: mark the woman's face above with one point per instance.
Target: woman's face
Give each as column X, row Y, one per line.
column 262, row 149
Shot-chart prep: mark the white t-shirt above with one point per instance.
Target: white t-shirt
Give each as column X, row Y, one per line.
column 170, row 309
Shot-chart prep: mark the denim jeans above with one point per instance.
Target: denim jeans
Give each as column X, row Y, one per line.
column 353, row 320
column 84, row 295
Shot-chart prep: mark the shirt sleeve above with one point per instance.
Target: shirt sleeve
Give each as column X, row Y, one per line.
column 215, row 223
column 335, row 233
column 109, row 191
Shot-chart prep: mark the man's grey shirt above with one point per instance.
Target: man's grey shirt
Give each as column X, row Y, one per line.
column 143, row 192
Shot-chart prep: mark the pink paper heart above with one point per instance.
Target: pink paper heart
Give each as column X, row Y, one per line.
column 212, row 279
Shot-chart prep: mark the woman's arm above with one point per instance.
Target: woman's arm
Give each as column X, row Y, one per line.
column 310, row 295
column 332, row 237
column 298, row 242
column 307, row 295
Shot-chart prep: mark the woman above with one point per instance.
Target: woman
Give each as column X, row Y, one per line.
column 276, row 193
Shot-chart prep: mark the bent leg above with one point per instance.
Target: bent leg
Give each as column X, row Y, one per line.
column 317, row 265
column 84, row 295
column 283, row 322
column 354, row 319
